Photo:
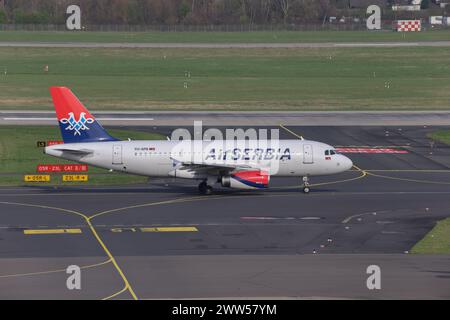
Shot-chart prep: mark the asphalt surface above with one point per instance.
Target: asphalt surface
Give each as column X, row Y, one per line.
column 277, row 243
column 392, row 44
column 233, row 118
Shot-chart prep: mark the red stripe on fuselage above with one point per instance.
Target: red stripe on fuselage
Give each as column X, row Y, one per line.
column 371, row 150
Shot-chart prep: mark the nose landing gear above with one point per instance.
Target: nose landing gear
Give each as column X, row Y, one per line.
column 204, row 188
column 306, row 185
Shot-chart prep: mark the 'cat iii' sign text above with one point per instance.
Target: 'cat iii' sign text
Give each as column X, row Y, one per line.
column 73, row 21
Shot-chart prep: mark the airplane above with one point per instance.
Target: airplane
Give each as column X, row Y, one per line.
column 237, row 164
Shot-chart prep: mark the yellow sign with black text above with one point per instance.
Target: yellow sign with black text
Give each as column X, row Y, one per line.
column 36, row 178
column 75, row 178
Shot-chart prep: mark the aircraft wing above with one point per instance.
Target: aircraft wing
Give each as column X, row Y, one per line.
column 211, row 166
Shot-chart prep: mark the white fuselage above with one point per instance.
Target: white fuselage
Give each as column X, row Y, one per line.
column 197, row 159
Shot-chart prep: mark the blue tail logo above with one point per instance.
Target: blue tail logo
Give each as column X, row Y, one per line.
column 77, row 126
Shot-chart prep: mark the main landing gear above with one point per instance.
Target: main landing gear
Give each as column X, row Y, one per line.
column 306, row 185
column 204, row 188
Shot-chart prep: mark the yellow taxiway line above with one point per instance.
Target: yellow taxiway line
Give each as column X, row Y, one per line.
column 52, row 271
column 87, row 219
column 170, row 229
column 407, row 179
column 52, row 231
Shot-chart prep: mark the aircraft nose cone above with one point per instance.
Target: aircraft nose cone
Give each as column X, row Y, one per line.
column 344, row 163
column 347, row 163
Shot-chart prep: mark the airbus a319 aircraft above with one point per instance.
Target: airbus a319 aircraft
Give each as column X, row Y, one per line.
column 239, row 164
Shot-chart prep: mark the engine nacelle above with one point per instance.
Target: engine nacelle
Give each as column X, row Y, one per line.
column 252, row 179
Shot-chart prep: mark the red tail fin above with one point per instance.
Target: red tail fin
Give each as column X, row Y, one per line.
column 65, row 102
column 75, row 121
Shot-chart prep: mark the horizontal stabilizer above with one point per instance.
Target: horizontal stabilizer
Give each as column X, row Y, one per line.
column 78, row 152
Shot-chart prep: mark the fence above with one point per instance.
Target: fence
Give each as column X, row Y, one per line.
column 197, row 28
column 336, row 26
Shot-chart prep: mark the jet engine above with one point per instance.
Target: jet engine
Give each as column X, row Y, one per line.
column 251, row 179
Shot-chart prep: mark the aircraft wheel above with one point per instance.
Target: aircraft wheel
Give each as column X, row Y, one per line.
column 306, row 184
column 203, row 188
column 209, row 190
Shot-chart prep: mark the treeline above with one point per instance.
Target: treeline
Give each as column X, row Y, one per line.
column 172, row 12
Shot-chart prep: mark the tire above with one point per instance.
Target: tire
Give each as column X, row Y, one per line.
column 204, row 189
column 306, row 190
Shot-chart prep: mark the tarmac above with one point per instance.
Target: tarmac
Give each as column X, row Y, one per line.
column 162, row 240
column 236, row 118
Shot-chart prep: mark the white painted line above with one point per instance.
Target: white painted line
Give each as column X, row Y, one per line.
column 392, row 232
column 29, row 119
column 99, row 119
column 279, row 218
column 384, row 44
column 125, row 119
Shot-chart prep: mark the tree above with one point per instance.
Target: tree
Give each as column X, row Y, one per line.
column 3, row 17
column 425, row 4
column 284, row 6
column 184, row 10
column 325, row 8
column 100, row 12
column 249, row 9
column 266, row 10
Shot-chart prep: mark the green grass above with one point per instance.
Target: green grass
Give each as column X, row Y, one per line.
column 19, row 155
column 441, row 136
column 230, row 79
column 223, row 37
column 437, row 241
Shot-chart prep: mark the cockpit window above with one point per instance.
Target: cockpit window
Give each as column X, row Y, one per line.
column 332, row 152
column 327, row 152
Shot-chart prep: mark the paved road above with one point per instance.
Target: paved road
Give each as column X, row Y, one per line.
column 246, row 244
column 343, row 118
column 224, row 45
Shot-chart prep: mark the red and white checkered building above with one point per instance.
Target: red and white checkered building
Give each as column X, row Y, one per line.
column 408, row 25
